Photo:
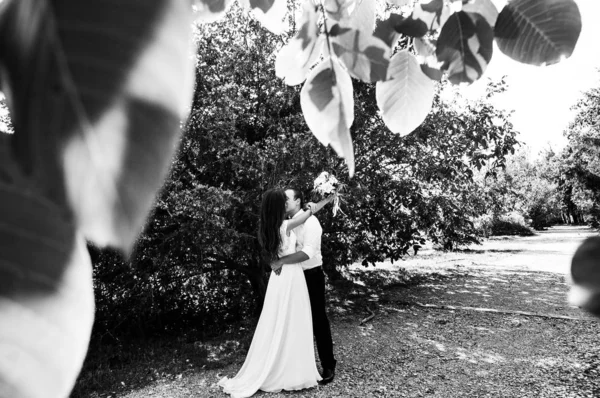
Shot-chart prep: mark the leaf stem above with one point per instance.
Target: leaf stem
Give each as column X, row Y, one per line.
column 328, row 42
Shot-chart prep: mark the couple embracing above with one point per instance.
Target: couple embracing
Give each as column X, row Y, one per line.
column 281, row 355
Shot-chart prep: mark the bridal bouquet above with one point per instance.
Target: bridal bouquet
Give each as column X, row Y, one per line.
column 326, row 184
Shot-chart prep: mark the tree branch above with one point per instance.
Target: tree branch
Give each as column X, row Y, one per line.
column 367, row 319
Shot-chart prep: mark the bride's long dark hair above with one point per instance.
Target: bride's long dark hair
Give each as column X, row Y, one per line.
column 272, row 214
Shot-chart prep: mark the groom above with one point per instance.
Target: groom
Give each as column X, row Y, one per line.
column 308, row 254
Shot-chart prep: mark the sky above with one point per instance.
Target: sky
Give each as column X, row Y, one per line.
column 541, row 96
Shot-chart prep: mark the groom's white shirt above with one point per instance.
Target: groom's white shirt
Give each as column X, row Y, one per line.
column 308, row 240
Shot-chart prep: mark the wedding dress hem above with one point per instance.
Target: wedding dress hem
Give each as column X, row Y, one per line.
column 222, row 383
column 294, row 388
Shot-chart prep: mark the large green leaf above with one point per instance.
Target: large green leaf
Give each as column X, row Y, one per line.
column 364, row 16
column 358, row 14
column 365, row 56
column 46, row 296
column 425, row 49
column 400, row 3
column 270, row 13
column 585, row 276
column 295, row 59
column 97, row 92
column 328, row 107
column 337, row 9
column 385, row 29
column 211, row 10
column 485, row 8
column 405, row 99
column 426, row 17
column 538, row 32
column 434, row 13
column 465, row 46
column 409, row 26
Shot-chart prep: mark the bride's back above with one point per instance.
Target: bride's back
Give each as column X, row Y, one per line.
column 288, row 242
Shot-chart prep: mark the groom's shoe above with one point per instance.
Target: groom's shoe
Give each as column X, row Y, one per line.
column 328, row 375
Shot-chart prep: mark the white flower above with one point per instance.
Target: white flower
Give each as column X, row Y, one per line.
column 325, row 184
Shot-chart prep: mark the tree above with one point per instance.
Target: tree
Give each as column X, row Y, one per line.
column 580, row 166
column 199, row 249
column 96, row 97
column 524, row 187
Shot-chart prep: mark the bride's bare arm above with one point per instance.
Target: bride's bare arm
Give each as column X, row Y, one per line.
column 313, row 208
column 299, row 256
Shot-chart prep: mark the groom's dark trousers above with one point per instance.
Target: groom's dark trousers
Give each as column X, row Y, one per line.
column 315, row 281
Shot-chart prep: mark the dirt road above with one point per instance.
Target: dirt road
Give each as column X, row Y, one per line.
column 461, row 347
column 548, row 251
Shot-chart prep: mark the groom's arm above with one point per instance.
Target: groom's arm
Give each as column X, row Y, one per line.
column 312, row 236
column 293, row 258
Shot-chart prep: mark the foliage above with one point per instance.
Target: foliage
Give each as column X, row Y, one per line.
column 435, row 164
column 525, row 187
column 451, row 38
column 198, row 264
column 505, row 224
column 5, row 122
column 580, row 177
column 95, row 102
column 96, row 99
column 580, row 163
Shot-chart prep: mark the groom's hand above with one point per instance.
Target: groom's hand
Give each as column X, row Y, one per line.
column 311, row 206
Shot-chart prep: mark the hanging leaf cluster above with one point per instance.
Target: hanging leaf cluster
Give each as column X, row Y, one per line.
column 96, row 97
column 338, row 40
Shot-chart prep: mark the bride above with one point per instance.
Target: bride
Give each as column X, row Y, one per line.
column 281, row 355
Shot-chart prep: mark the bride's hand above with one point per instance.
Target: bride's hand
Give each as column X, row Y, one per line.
column 276, row 267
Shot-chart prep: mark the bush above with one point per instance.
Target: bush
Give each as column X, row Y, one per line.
column 506, row 224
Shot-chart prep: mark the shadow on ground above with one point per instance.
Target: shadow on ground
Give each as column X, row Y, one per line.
column 390, row 344
column 116, row 368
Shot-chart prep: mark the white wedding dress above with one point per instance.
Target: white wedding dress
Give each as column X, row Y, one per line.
column 282, row 355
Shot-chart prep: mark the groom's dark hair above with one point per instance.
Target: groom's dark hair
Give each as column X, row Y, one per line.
column 298, row 195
